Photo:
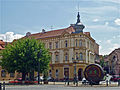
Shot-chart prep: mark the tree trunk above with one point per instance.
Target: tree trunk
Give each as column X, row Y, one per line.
column 31, row 76
column 23, row 76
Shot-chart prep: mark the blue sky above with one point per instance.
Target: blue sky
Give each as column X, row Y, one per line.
column 100, row 17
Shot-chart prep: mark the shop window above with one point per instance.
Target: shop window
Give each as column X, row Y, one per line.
column 50, row 73
column 3, row 73
column 12, row 74
column 57, row 72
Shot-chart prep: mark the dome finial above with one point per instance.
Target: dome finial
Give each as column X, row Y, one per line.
column 78, row 18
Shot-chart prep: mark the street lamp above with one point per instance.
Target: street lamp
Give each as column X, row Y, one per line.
column 38, row 56
column 75, row 74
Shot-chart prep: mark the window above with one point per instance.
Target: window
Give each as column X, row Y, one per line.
column 3, row 73
column 56, row 44
column 76, row 56
column 56, row 73
column 66, row 45
column 76, row 42
column 50, row 73
column 12, row 74
column 66, row 57
column 50, row 45
column 57, row 58
column 80, row 43
column 66, row 73
column 81, row 56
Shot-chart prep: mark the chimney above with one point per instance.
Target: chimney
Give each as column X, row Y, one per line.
column 28, row 34
column 43, row 30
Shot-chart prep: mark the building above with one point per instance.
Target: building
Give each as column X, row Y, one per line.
column 66, row 46
column 113, row 62
column 4, row 75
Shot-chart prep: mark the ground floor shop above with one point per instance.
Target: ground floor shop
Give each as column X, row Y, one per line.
column 62, row 71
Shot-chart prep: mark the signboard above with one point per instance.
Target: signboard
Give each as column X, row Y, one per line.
column 94, row 73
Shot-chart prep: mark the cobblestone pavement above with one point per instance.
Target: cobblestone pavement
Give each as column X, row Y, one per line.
column 58, row 87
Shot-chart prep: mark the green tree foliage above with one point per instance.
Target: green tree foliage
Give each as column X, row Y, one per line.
column 23, row 56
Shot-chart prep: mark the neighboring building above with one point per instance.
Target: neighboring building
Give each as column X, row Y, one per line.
column 66, row 45
column 2, row 45
column 113, row 62
column 4, row 75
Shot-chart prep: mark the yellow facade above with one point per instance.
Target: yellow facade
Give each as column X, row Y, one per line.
column 87, row 49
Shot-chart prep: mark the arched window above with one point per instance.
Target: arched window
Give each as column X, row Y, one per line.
column 66, row 57
column 80, row 43
column 81, row 56
column 76, row 56
column 3, row 73
column 66, row 44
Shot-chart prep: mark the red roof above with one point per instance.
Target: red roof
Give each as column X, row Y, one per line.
column 1, row 48
column 1, row 42
column 55, row 33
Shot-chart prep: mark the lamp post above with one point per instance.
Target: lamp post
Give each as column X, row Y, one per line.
column 75, row 74
column 38, row 55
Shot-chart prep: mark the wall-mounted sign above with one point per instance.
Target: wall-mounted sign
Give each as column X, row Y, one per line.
column 94, row 73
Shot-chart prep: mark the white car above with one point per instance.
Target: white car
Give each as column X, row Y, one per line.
column 41, row 78
column 84, row 81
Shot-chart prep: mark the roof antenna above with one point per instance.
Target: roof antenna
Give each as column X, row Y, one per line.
column 51, row 27
column 78, row 7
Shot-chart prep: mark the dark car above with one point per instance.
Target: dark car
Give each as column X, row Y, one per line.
column 115, row 78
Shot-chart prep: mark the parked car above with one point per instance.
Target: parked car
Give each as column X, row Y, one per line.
column 84, row 81
column 115, row 78
column 41, row 78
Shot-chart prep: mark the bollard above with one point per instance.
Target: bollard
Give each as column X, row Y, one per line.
column 118, row 82
column 68, row 82
column 0, row 87
column 3, row 85
column 106, row 82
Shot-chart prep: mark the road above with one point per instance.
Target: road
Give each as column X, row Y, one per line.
column 58, row 87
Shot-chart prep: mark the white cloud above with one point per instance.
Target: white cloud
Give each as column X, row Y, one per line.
column 114, row 46
column 106, row 23
column 96, row 20
column 10, row 36
column 117, row 21
column 108, row 41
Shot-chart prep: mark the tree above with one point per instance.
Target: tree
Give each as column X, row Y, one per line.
column 23, row 56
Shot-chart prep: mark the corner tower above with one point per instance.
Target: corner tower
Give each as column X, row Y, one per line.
column 78, row 26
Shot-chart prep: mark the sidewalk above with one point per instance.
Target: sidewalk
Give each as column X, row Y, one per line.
column 113, row 84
